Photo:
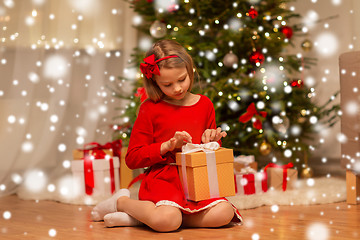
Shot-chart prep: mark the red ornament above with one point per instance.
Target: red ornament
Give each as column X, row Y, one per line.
column 287, row 31
column 172, row 8
column 140, row 92
column 252, row 13
column 257, row 57
column 297, row 83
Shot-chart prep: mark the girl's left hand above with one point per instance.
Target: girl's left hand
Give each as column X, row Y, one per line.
column 212, row 135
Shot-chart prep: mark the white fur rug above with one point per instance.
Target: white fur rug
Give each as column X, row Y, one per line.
column 319, row 191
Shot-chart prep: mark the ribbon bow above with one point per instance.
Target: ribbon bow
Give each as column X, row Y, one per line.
column 150, row 67
column 250, row 113
column 247, row 170
column 246, row 160
column 190, row 147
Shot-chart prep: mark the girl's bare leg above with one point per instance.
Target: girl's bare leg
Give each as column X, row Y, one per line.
column 161, row 219
column 216, row 216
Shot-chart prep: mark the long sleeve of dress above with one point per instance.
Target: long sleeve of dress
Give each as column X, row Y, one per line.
column 212, row 121
column 142, row 151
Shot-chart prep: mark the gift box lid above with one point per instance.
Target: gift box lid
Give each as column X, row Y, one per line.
column 197, row 159
column 98, row 164
column 79, row 153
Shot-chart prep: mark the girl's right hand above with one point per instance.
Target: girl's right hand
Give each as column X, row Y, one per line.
column 179, row 139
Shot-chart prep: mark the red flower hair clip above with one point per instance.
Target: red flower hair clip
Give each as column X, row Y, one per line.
column 150, row 67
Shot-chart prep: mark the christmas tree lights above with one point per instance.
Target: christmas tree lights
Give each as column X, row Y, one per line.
column 240, row 51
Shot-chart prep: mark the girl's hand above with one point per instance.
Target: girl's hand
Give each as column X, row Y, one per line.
column 212, row 135
column 177, row 141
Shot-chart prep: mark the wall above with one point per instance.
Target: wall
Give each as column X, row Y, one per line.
column 336, row 31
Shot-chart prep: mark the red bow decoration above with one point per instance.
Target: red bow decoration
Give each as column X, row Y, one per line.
column 285, row 168
column 250, row 113
column 149, row 68
column 140, row 92
column 98, row 153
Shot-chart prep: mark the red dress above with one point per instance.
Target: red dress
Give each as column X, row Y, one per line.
column 155, row 124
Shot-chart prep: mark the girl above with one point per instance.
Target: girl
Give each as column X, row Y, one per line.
column 170, row 117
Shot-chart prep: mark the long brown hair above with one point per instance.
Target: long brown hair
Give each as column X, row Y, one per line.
column 162, row 49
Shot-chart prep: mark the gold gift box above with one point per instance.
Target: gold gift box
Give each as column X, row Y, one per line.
column 197, row 174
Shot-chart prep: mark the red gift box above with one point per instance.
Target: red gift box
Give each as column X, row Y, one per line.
column 250, row 183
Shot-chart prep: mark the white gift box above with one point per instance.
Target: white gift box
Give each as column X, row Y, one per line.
column 102, row 177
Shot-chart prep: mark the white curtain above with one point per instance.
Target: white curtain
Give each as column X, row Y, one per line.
column 56, row 59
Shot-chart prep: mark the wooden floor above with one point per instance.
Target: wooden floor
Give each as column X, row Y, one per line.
column 48, row 220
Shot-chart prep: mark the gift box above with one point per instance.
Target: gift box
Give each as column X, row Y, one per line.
column 243, row 161
column 96, row 168
column 250, row 182
column 98, row 178
column 352, row 187
column 281, row 177
column 126, row 174
column 208, row 174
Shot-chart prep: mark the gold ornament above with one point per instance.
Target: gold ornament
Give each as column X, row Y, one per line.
column 230, row 59
column 307, row 172
column 265, row 148
column 306, row 45
column 262, row 93
column 158, row 29
column 301, row 119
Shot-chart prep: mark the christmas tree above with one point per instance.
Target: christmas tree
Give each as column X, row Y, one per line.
column 240, row 49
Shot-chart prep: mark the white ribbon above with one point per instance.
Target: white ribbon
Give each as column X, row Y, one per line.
column 258, row 182
column 209, row 149
column 246, row 160
column 190, row 147
column 245, row 170
column 240, row 183
column 183, row 170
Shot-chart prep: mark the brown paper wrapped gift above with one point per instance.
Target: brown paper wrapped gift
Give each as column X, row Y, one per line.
column 126, row 174
column 275, row 176
column 242, row 161
column 199, row 184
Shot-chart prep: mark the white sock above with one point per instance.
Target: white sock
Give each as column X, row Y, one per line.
column 108, row 206
column 120, row 219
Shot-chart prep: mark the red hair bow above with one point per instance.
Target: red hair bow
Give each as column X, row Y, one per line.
column 149, row 68
column 250, row 113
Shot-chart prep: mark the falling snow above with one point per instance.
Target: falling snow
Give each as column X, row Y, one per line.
column 57, row 68
column 317, row 231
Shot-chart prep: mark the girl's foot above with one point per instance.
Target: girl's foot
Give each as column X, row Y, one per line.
column 108, row 205
column 120, row 219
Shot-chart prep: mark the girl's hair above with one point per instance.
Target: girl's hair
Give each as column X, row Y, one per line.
column 162, row 49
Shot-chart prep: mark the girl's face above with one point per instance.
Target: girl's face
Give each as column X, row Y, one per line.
column 173, row 82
